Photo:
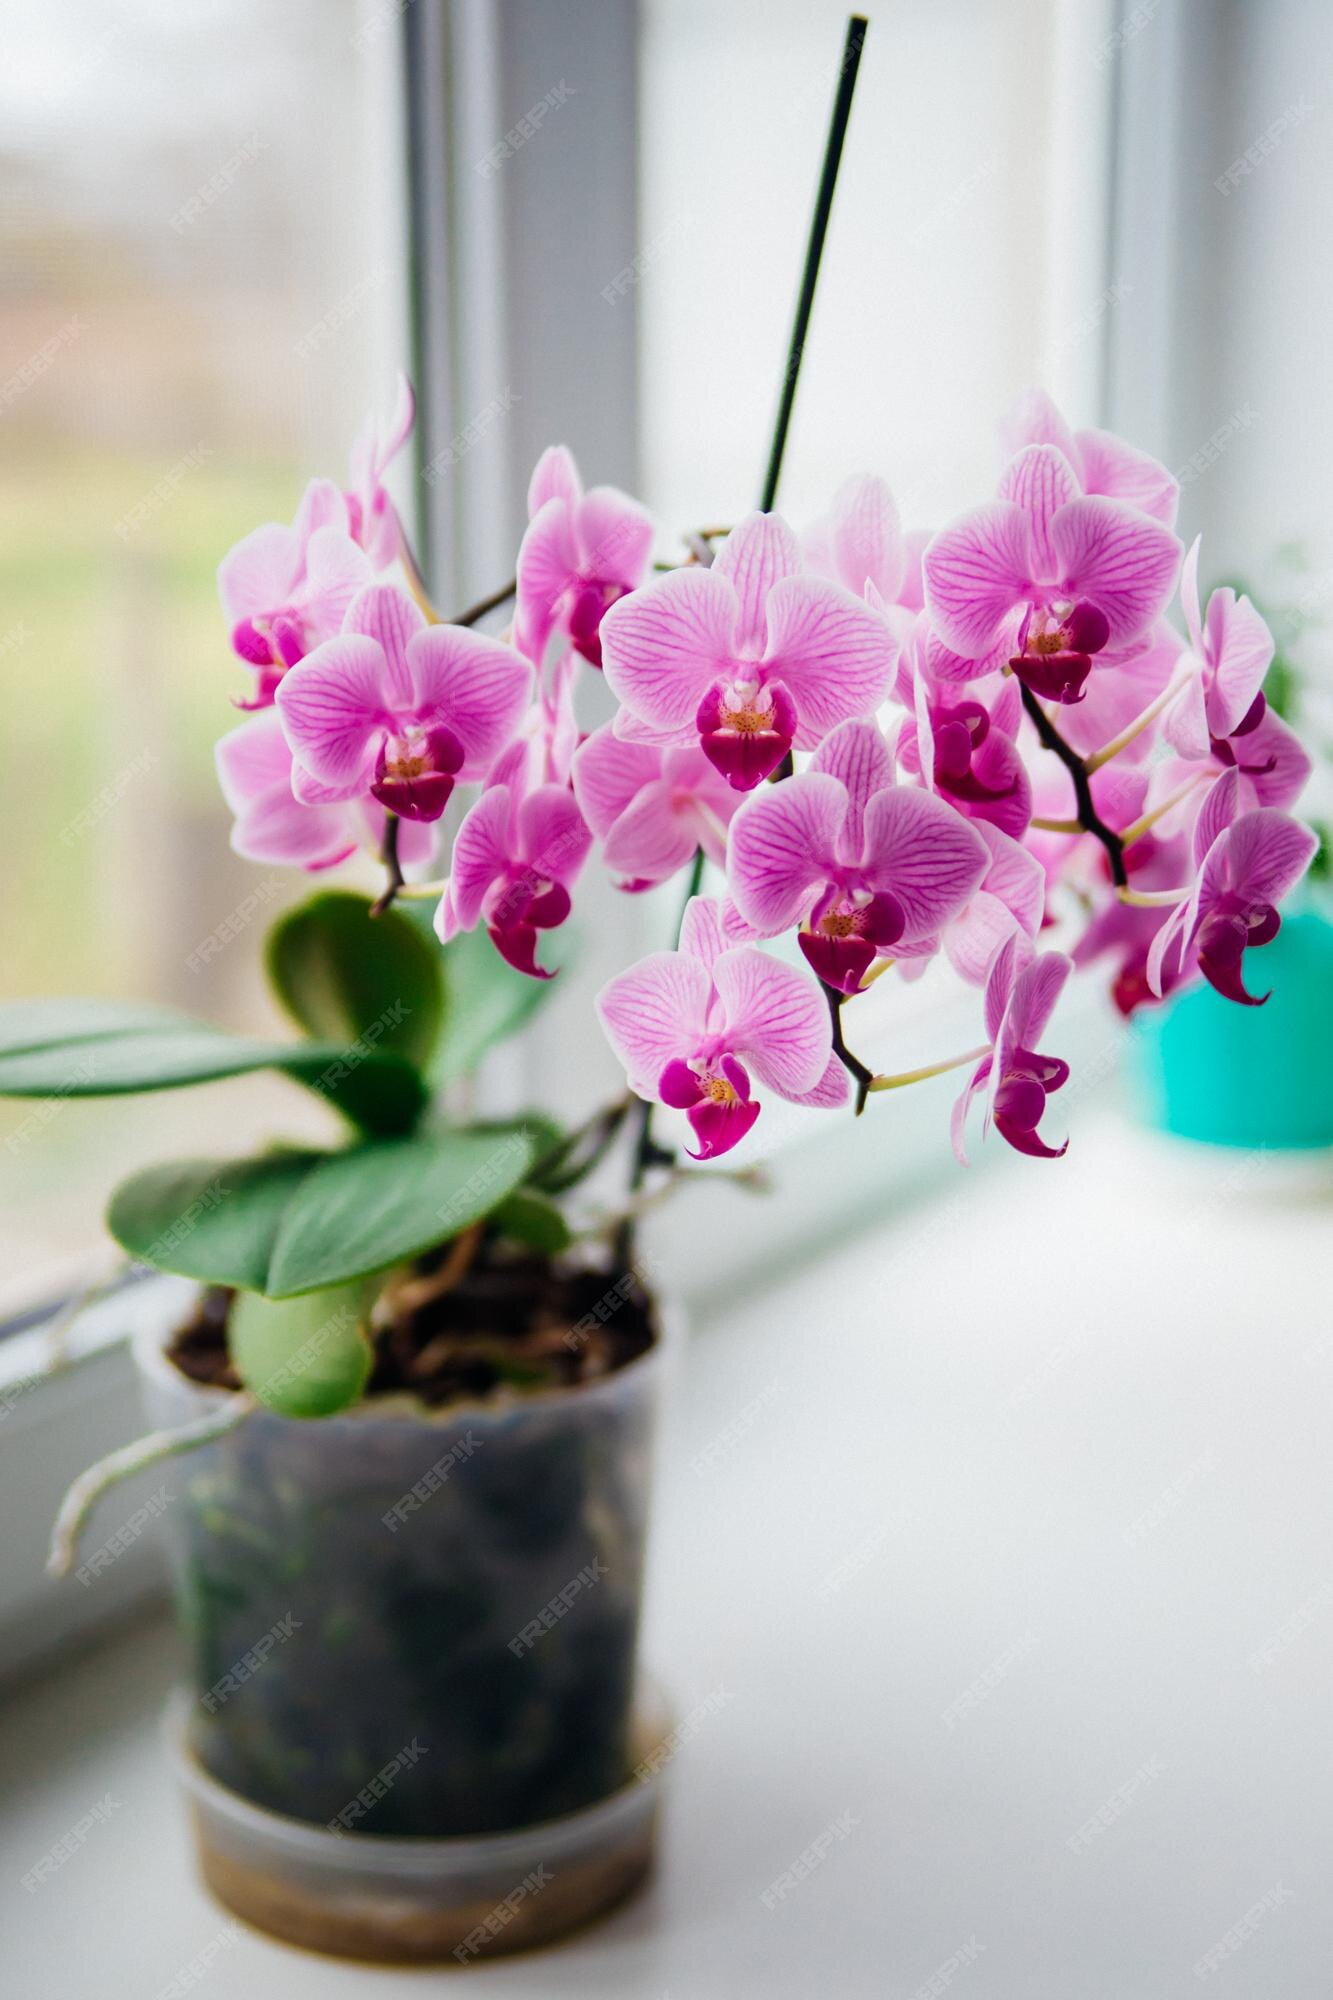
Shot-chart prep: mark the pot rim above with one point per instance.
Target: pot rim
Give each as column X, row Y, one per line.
column 428, row 1855
column 150, row 1338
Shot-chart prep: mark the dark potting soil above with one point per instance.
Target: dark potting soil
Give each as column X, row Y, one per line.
column 502, row 1323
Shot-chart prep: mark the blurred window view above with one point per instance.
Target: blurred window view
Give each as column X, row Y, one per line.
column 199, row 270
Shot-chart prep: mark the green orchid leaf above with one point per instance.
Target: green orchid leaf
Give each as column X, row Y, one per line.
column 107, row 1048
column 301, row 1221
column 529, row 1218
column 346, row 976
column 380, row 1203
column 215, row 1220
column 306, row 1357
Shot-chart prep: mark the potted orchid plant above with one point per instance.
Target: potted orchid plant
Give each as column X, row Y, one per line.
column 410, row 1399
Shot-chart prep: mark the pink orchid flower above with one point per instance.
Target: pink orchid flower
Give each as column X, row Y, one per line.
column 1128, row 679
column 1247, row 861
column 1222, row 716
column 865, row 863
column 284, row 589
column 581, row 552
column 372, row 516
column 255, row 771
column 691, row 1025
column 1021, row 992
column 1125, row 933
column 1010, row 898
column 1102, row 462
column 651, row 809
column 1083, row 569
column 745, row 658
column 519, row 850
column 860, row 540
column 399, row 708
column 960, row 739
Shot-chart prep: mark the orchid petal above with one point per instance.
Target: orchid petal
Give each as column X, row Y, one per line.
column 547, row 569
column 387, row 615
column 614, row 537
column 758, row 553
column 665, row 645
column 1119, row 471
column 1035, row 419
column 555, row 477
column 1219, row 809
column 1240, row 648
column 1123, row 561
column 830, row 650
column 476, row 686
column 783, row 844
column 652, row 838
column 253, row 759
column 654, row 1013
column 553, row 836
column 703, row 930
column 924, row 854
column 1036, row 989
column 974, row 572
column 858, row 757
column 1040, row 480
column 777, row 1020
column 958, row 1122
column 333, row 711
column 336, row 569
column 1267, row 852
column 830, row 1093
column 483, row 848
column 609, row 775
column 865, row 538
column 260, row 573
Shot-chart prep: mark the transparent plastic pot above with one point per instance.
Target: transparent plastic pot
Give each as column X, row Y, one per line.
column 407, row 1630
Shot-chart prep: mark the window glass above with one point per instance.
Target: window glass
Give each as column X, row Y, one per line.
column 198, row 271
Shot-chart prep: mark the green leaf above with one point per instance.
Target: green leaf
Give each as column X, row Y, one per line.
column 216, row 1220
column 361, row 1210
column 106, row 1048
column 347, row 976
column 487, row 1001
column 297, row 1222
column 530, row 1218
column 306, row 1357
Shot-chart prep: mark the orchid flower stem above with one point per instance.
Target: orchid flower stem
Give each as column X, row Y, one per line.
column 420, row 892
column 906, row 1076
column 1154, row 899
column 476, row 612
column 89, row 1487
column 573, row 1157
column 1150, row 819
column 861, row 1076
column 876, row 971
column 1138, row 725
column 389, row 856
column 755, row 1180
column 1088, row 817
column 1057, row 825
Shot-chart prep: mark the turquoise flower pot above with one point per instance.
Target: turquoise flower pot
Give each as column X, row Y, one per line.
column 1204, row 1068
